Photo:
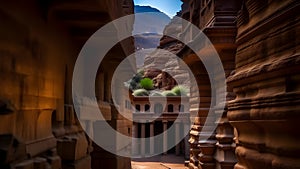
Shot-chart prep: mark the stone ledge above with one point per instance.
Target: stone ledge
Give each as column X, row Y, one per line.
column 39, row 146
column 276, row 107
column 283, row 64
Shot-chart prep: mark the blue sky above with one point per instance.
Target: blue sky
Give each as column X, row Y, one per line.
column 169, row 7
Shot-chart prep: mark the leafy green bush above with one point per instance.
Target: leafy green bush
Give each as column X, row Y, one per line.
column 168, row 93
column 140, row 92
column 180, row 90
column 146, row 83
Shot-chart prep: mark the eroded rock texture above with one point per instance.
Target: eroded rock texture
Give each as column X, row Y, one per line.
column 266, row 82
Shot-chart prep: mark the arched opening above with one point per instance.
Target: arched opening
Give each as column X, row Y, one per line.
column 147, row 108
column 137, row 108
column 170, row 108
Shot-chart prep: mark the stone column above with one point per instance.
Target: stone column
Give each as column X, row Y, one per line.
column 224, row 155
column 225, row 147
column 135, row 132
column 206, row 157
column 165, row 136
column 186, row 128
column 177, row 137
column 143, row 135
column 200, row 109
column 194, row 150
column 151, row 138
column 207, row 144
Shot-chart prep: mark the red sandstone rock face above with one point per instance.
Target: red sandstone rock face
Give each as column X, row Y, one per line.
column 161, row 80
column 164, row 67
column 266, row 84
column 152, row 73
column 164, row 81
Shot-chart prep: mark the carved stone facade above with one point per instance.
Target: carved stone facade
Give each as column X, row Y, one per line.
column 217, row 21
column 265, row 111
column 156, row 115
column 39, row 44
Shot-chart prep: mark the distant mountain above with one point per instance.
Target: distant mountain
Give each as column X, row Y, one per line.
column 140, row 9
column 147, row 40
column 150, row 36
column 155, row 21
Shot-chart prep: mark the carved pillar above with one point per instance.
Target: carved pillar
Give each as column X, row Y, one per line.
column 177, row 138
column 165, row 137
column 199, row 106
column 218, row 21
column 225, row 147
column 143, row 134
column 207, row 143
column 135, row 145
column 224, row 155
column 186, row 128
column 151, row 138
column 206, row 157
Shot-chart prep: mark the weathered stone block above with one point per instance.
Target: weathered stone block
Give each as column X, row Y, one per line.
column 72, row 147
column 10, row 149
column 39, row 146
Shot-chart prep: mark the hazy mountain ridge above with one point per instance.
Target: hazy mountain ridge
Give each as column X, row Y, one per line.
column 152, row 35
column 155, row 21
column 140, row 9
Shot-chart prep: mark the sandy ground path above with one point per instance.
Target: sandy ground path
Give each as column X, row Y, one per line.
column 169, row 161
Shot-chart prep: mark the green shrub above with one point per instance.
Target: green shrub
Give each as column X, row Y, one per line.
column 140, row 92
column 146, row 83
column 180, row 90
column 168, row 93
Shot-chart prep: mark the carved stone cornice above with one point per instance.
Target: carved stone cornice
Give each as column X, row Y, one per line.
column 283, row 103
